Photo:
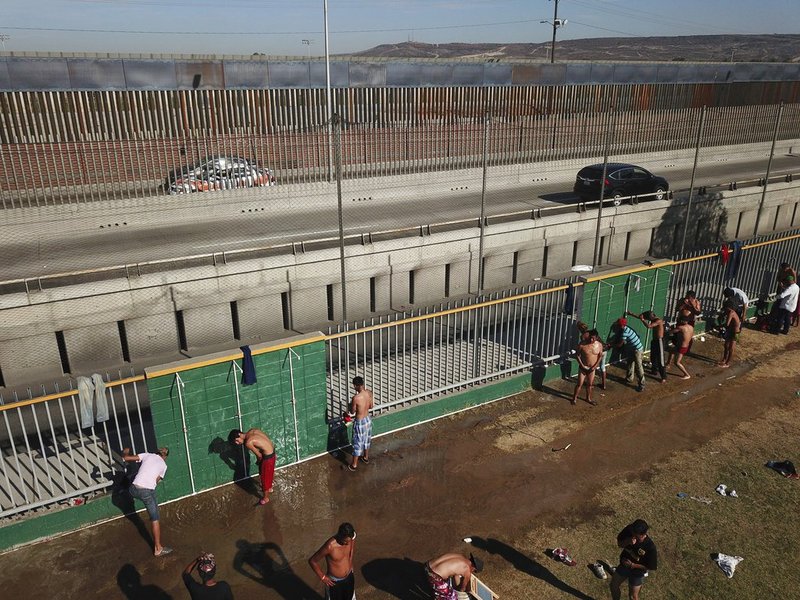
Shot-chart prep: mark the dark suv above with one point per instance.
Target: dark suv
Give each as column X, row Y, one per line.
column 622, row 180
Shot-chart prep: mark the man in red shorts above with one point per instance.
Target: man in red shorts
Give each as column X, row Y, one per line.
column 451, row 572
column 262, row 447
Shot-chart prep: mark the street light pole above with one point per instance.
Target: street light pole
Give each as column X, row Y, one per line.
column 555, row 27
column 328, row 90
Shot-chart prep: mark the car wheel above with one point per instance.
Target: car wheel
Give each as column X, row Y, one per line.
column 617, row 198
column 660, row 193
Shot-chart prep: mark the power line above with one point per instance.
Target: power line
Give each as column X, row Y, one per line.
column 239, row 33
column 636, row 14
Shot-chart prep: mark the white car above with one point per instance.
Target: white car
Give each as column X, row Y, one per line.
column 219, row 173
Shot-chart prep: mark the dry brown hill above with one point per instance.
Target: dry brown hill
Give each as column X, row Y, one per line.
column 695, row 48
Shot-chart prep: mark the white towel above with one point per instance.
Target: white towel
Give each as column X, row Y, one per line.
column 85, row 396
column 100, row 398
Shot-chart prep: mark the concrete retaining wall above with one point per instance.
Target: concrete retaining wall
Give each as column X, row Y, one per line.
column 189, row 312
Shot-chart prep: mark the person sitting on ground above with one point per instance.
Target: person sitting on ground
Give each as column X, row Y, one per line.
column 733, row 326
column 210, row 589
column 689, row 307
column 638, row 556
column 656, row 325
column 451, row 573
column 681, row 342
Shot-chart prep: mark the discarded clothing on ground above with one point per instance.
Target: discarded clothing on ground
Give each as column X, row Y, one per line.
column 784, row 467
column 562, row 555
column 727, row 563
column 723, row 490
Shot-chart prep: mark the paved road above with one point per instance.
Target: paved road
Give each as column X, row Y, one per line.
column 31, row 257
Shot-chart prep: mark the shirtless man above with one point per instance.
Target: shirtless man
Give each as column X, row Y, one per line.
column 340, row 583
column 733, row 326
column 688, row 307
column 360, row 406
column 451, row 572
column 588, row 353
column 656, row 325
column 262, row 447
column 681, row 338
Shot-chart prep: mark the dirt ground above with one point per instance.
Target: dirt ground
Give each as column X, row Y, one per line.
column 492, row 474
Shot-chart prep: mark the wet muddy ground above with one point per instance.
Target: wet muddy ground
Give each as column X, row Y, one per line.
column 488, row 473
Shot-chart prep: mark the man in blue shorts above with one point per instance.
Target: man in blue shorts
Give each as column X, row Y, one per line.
column 360, row 406
column 638, row 556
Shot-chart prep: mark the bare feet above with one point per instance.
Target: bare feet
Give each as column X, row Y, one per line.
column 263, row 501
column 724, row 365
column 686, row 377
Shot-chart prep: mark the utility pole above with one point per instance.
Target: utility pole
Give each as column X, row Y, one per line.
column 555, row 27
column 556, row 23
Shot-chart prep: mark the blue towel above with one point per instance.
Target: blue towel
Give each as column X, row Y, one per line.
column 734, row 260
column 248, row 368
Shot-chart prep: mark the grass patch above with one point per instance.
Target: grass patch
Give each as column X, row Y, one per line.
column 759, row 525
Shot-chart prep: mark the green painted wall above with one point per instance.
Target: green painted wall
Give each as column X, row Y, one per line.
column 605, row 301
column 209, row 405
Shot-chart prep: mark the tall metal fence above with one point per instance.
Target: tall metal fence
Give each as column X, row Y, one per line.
column 47, row 456
column 68, row 444
column 411, row 358
column 68, row 147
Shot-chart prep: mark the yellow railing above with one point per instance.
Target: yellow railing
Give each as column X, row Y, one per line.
column 237, row 355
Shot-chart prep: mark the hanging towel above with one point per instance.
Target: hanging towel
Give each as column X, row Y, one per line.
column 248, row 367
column 101, row 403
column 569, row 302
column 734, row 261
column 85, row 397
column 724, row 253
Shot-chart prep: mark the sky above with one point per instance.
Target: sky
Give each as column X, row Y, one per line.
column 295, row 27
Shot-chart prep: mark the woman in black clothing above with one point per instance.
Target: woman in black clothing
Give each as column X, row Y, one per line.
column 209, row 589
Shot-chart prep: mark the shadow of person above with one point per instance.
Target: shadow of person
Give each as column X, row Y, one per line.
column 338, row 440
column 122, row 499
column 237, row 459
column 526, row 565
column 401, row 578
column 130, row 582
column 267, row 564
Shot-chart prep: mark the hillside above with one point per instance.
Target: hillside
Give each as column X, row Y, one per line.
column 696, row 48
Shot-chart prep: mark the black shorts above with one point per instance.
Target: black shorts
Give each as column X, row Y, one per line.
column 635, row 577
